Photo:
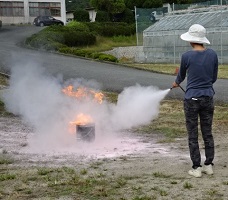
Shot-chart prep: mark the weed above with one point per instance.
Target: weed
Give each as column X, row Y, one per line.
column 44, row 171
column 137, row 188
column 225, row 182
column 5, row 160
column 95, row 165
column 68, row 170
column 173, row 182
column 83, row 171
column 145, row 198
column 187, row 185
column 100, row 175
column 4, row 177
column 212, row 194
column 155, row 188
column 160, row 175
column 163, row 192
column 120, row 182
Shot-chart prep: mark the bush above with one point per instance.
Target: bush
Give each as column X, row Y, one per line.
column 114, row 29
column 81, row 15
column 96, row 55
column 77, row 26
column 47, row 40
column 107, row 57
column 75, row 51
column 102, row 16
column 128, row 16
column 76, row 38
column 110, row 29
column 88, row 54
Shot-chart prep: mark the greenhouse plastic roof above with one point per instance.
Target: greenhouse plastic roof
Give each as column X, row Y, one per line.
column 210, row 20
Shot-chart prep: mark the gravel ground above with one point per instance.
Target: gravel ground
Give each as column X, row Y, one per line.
column 126, row 154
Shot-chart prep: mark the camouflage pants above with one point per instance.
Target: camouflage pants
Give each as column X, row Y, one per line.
column 203, row 108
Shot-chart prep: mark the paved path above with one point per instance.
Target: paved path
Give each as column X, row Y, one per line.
column 111, row 76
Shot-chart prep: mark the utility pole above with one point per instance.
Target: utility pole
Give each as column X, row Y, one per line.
column 136, row 25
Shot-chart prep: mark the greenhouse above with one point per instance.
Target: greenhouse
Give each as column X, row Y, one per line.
column 162, row 43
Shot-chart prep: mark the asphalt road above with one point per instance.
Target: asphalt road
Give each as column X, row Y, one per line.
column 110, row 76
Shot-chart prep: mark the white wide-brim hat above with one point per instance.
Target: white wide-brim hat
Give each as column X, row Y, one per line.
column 195, row 34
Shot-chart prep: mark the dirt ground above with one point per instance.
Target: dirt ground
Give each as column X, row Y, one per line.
column 159, row 168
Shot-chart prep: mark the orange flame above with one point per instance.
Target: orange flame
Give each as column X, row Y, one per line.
column 83, row 93
column 81, row 119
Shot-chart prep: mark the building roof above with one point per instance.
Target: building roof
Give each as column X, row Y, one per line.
column 212, row 21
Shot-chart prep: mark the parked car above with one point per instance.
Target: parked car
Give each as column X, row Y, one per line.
column 46, row 21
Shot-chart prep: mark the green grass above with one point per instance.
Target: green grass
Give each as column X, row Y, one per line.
column 187, row 185
column 172, row 126
column 161, row 175
column 5, row 160
column 105, row 43
column 5, row 177
column 172, row 68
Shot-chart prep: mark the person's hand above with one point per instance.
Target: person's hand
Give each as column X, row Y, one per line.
column 174, row 85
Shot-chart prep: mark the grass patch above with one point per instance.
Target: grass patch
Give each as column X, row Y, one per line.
column 106, row 43
column 5, row 177
column 172, row 125
column 161, row 175
column 111, row 96
column 171, row 68
column 5, row 160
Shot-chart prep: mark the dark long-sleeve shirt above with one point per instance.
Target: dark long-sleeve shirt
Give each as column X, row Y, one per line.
column 201, row 68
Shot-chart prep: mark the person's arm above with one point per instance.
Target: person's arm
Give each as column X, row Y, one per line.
column 181, row 74
column 215, row 75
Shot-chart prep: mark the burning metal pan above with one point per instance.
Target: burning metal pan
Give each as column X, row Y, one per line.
column 85, row 132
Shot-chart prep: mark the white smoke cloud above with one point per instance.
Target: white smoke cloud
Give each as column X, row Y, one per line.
column 39, row 100
column 137, row 105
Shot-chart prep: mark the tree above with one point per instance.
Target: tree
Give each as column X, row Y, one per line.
column 81, row 15
column 110, row 6
column 180, row 1
column 76, row 4
column 152, row 4
column 102, row 16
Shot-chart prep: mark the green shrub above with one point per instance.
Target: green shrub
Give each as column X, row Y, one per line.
column 110, row 29
column 55, row 28
column 102, row 16
column 115, row 29
column 77, row 38
column 49, row 39
column 128, row 16
column 95, row 27
column 75, row 51
column 77, row 26
column 81, row 15
column 107, row 57
column 88, row 54
column 96, row 55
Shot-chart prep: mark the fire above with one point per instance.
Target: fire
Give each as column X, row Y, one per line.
column 82, row 119
column 83, row 93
